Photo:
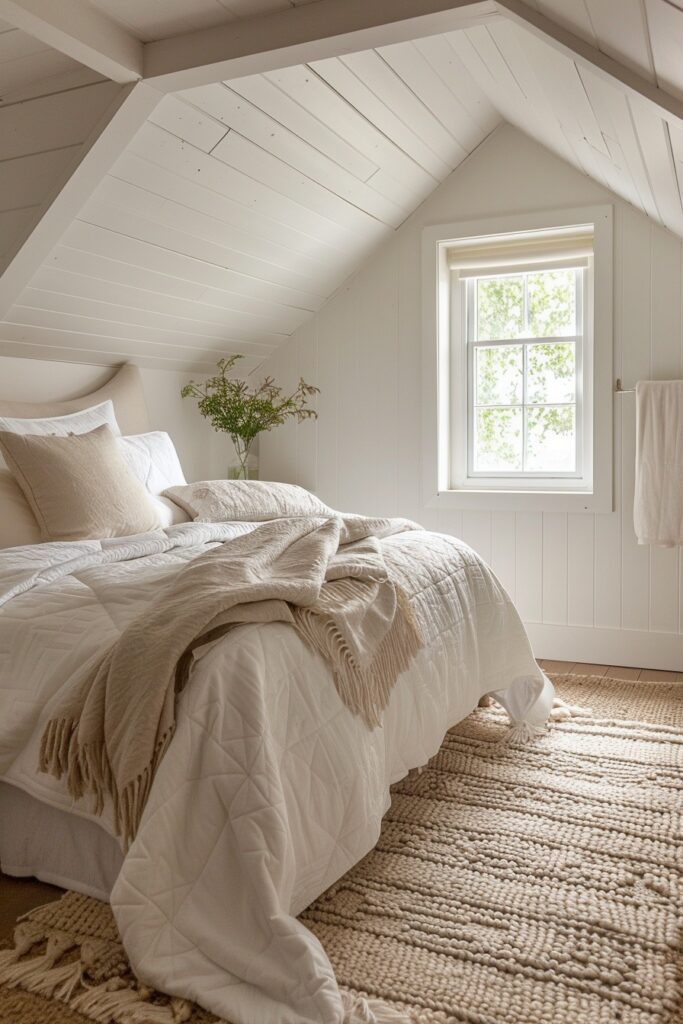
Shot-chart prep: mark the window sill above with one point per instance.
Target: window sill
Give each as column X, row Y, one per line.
column 522, row 501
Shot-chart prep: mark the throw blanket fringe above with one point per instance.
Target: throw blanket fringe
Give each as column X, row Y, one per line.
column 359, row 1010
column 364, row 690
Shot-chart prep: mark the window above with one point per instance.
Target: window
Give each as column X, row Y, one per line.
column 515, row 367
column 525, row 348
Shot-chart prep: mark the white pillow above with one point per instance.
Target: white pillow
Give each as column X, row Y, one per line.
column 60, row 426
column 152, row 458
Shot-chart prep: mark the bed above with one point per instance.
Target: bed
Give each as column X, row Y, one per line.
column 270, row 788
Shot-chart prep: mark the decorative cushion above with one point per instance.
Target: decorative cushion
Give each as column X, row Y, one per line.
column 215, row 501
column 79, row 486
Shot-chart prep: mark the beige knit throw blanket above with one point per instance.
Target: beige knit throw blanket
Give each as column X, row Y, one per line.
column 324, row 575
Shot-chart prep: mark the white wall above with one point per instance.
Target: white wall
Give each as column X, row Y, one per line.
column 584, row 587
column 204, row 454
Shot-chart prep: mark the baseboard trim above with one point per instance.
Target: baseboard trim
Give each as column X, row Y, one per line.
column 630, row 647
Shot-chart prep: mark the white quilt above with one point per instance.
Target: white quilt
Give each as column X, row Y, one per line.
column 271, row 789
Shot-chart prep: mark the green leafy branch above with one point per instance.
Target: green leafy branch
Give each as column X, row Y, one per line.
column 243, row 412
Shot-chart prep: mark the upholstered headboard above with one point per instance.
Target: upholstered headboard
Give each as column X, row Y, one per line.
column 124, row 389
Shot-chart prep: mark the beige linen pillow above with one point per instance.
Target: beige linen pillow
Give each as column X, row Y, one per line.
column 79, row 486
column 255, row 501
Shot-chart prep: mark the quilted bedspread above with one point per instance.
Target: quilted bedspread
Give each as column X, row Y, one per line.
column 271, row 789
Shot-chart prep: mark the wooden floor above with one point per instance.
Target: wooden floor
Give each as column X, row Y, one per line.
column 19, row 895
column 612, row 671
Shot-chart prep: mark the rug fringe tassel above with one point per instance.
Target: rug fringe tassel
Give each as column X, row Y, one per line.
column 359, row 1010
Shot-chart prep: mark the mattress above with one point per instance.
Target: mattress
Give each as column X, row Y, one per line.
column 55, row 846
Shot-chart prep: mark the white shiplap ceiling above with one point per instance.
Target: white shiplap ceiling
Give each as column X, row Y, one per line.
column 239, row 207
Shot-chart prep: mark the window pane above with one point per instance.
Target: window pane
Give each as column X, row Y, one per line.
column 551, row 439
column 552, row 303
column 551, row 372
column 499, row 375
column 500, row 308
column 498, row 440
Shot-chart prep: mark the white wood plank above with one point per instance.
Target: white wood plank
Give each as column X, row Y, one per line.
column 580, row 563
column 415, row 70
column 67, row 285
column 636, row 335
column 226, row 212
column 274, row 195
column 625, row 37
column 503, row 544
column 92, row 239
column 306, row 444
column 573, row 16
column 15, row 44
column 408, row 376
column 529, row 565
column 387, row 84
column 120, row 272
column 118, row 348
column 270, row 137
column 665, row 22
column 130, row 225
column 555, row 567
column 76, row 78
column 667, row 302
column 382, row 114
column 607, row 572
column 476, row 531
column 656, row 149
column 236, row 325
column 263, row 93
column 612, row 111
column 308, row 89
column 26, row 180
column 39, row 67
column 64, row 352
column 187, row 123
column 135, row 333
column 52, row 122
column 289, row 266
column 443, row 59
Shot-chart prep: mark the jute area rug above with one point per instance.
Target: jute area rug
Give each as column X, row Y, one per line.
column 512, row 884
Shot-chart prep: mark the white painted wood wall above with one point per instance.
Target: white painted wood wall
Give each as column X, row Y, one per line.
column 583, row 586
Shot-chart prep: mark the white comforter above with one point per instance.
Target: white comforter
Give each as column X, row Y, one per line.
column 271, row 789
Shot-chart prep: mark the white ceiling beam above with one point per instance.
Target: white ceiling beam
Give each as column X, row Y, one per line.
column 298, row 35
column 564, row 41
column 95, row 157
column 80, row 31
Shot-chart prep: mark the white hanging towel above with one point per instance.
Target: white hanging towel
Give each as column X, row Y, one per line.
column 658, row 501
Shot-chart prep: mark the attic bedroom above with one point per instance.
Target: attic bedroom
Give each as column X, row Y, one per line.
column 341, row 514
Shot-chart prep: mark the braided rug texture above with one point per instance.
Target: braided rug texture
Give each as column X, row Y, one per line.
column 512, row 884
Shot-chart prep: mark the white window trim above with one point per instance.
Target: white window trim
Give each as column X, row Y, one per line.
column 437, row 320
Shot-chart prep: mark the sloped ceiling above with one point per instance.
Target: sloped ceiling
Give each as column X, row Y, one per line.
column 238, row 208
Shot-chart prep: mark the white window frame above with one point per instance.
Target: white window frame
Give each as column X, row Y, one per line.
column 446, row 480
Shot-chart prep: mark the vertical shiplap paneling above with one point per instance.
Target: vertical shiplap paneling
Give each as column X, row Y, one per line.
column 665, row 365
column 636, row 299
column 375, row 413
column 409, row 426
column 476, row 531
column 503, row 550
column 529, row 565
column 555, row 567
column 580, row 596
column 306, row 447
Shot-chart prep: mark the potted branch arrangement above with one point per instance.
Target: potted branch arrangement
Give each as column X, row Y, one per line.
column 244, row 412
